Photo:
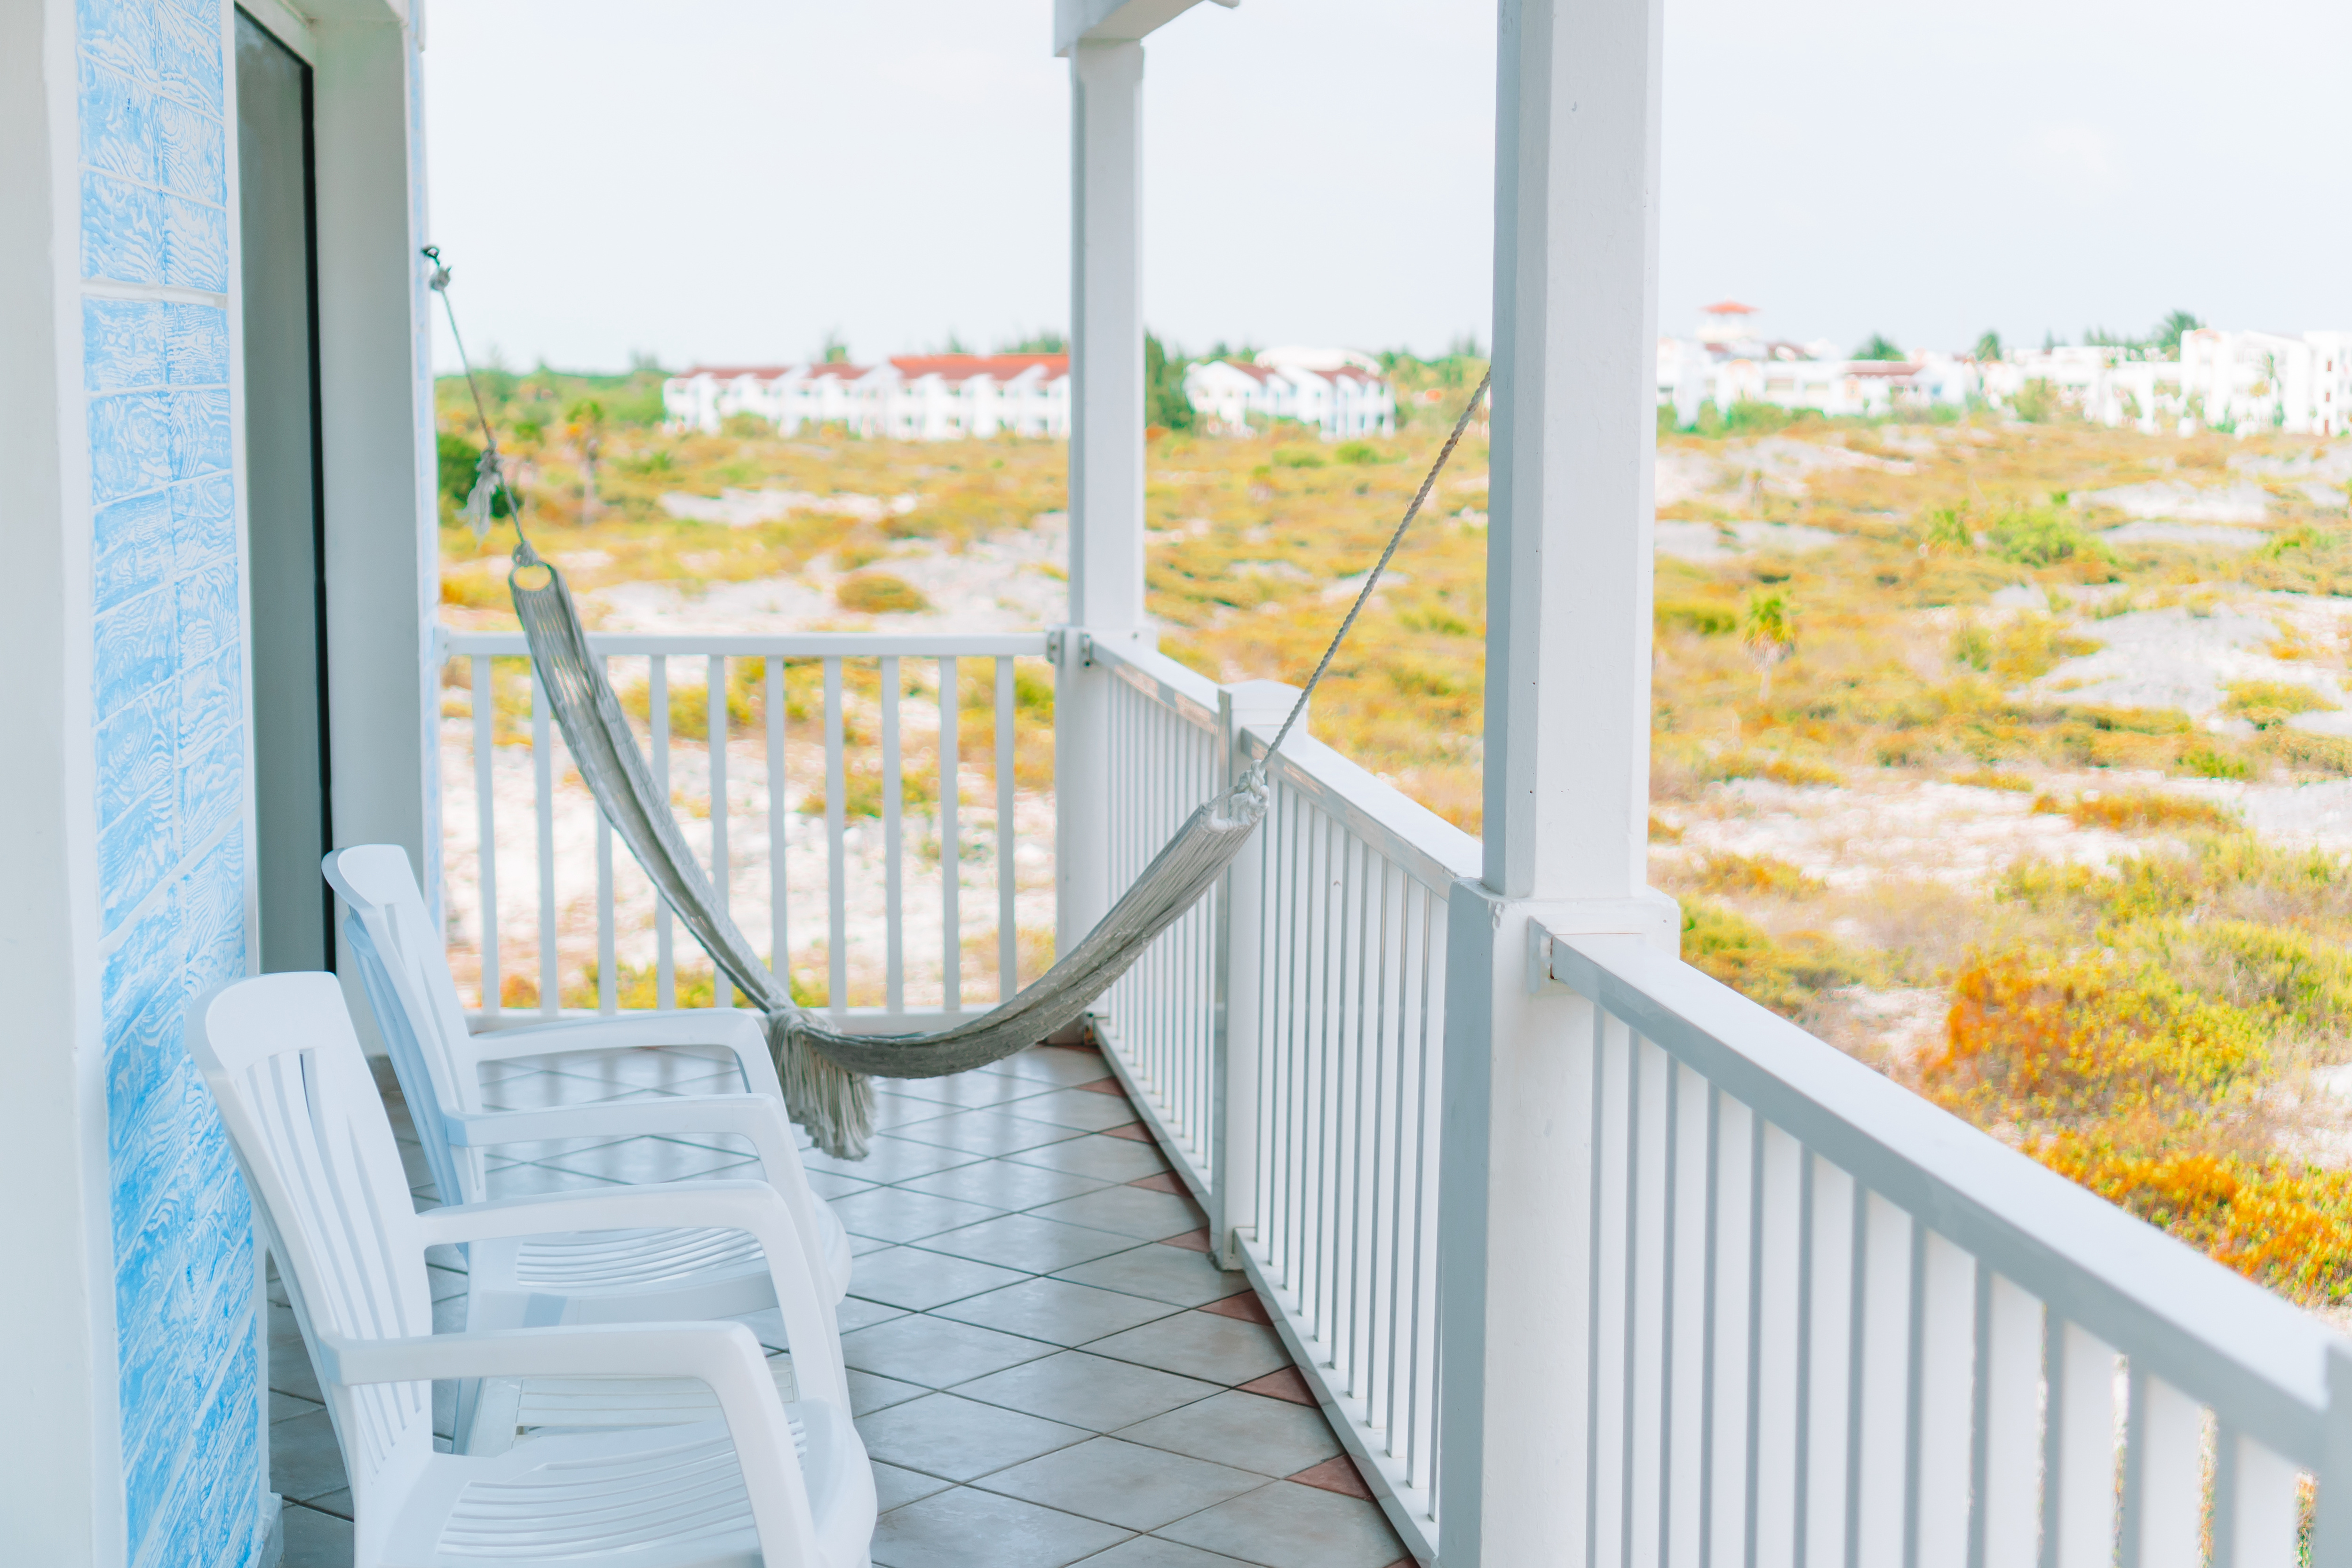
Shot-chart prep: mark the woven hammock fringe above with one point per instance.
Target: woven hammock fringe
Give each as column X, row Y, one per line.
column 835, row 1104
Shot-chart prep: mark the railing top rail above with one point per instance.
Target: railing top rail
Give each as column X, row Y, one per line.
column 790, row 645
column 2256, row 1358
column 1428, row 847
column 1193, row 695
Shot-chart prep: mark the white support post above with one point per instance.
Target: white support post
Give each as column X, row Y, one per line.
column 61, row 1491
column 1106, row 457
column 375, row 410
column 1566, row 734
column 1240, row 951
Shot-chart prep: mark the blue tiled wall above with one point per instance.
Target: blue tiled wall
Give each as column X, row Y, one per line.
column 168, row 678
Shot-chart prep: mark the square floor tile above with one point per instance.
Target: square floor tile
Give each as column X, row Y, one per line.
column 895, row 1488
column 1087, row 1391
column 961, row 1439
column 869, row 1391
column 988, row 1132
column 1002, row 1185
column 853, row 1312
column 1284, row 1525
column 1138, row 1212
column 894, row 1213
column 286, row 1406
column 859, row 1246
column 639, row 1161
column 1096, row 1155
column 1163, row 1273
column 1122, row 1483
column 900, row 1099
column 290, row 1372
column 1080, row 1108
column 917, row 1280
column 304, row 1459
column 315, row 1539
column 1197, row 1344
column 968, row 1528
column 833, row 1184
column 890, row 1159
column 1055, row 1063
column 935, row 1351
column 1056, row 1310
column 1272, row 1436
column 969, row 1091
column 1024, row 1241
column 1152, row 1552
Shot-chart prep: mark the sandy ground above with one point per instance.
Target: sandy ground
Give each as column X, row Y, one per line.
column 1894, row 832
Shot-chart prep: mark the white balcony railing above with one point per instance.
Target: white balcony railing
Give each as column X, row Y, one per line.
column 1819, row 1320
column 1830, row 1323
column 1286, row 1042
column 933, row 858
column 1812, row 1317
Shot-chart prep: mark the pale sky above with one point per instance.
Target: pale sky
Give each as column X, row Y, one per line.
column 726, row 181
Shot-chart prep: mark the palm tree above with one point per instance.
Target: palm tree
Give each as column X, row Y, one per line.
column 1768, row 627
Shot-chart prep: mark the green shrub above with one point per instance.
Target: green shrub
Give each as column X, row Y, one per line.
column 879, row 594
column 1297, row 457
column 2041, row 536
column 1357, row 454
column 1708, row 620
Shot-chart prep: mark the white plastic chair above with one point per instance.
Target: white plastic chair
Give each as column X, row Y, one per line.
column 767, row 1485
column 614, row 1276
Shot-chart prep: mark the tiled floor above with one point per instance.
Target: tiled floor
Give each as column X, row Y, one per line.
column 1048, row 1368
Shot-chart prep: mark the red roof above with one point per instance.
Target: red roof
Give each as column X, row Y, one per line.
column 730, row 372
column 963, row 367
column 837, row 370
column 1728, row 307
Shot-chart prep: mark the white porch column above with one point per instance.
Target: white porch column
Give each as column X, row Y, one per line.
column 1567, row 757
column 375, row 409
column 1106, row 455
column 61, row 1454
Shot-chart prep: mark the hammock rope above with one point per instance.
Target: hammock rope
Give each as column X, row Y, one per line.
column 826, row 1071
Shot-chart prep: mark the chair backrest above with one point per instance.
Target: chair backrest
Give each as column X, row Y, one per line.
column 281, row 1059
column 414, row 999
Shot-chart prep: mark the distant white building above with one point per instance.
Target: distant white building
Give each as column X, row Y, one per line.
column 1341, row 392
column 914, row 397
column 941, row 397
column 2222, row 380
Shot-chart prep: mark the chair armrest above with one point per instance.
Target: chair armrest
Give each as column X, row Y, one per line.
column 722, row 1355
column 732, row 1028
column 714, row 1353
column 796, row 1263
column 754, row 1206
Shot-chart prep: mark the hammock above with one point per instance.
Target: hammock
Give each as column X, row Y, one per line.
column 824, row 1071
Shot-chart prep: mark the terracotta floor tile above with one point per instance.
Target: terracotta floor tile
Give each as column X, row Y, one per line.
column 1102, row 1086
column 1338, row 1474
column 1191, row 1241
column 1133, row 1129
column 1245, row 1306
column 1164, row 1181
column 1285, row 1382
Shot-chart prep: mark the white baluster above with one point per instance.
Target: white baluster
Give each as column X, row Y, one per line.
column 486, row 827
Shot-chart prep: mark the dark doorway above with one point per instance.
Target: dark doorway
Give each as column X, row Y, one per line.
column 285, row 500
